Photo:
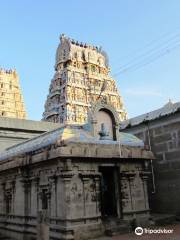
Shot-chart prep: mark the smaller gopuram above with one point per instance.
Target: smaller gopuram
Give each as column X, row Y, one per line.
column 86, row 180
column 11, row 100
column 82, row 77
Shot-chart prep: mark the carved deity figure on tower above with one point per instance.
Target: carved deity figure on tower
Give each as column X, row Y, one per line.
column 83, row 70
column 11, row 99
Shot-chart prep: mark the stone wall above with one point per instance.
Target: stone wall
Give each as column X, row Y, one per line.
column 14, row 131
column 163, row 137
column 69, row 189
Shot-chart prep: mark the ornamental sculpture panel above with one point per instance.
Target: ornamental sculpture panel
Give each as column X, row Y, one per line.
column 81, row 79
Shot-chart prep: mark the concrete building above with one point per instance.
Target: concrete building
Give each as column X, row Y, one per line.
column 81, row 78
column 160, row 130
column 11, row 99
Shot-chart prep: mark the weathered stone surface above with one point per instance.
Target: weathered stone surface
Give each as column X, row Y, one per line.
column 76, row 180
column 43, row 226
column 14, row 131
column 162, row 134
column 81, row 79
column 162, row 138
column 77, row 174
column 12, row 104
column 174, row 155
column 160, row 147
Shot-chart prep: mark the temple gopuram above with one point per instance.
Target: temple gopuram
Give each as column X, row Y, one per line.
column 11, row 100
column 81, row 78
column 76, row 177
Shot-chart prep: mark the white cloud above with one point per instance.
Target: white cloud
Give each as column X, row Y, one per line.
column 143, row 92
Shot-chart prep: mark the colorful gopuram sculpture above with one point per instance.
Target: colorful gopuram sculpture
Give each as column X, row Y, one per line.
column 81, row 78
column 11, row 100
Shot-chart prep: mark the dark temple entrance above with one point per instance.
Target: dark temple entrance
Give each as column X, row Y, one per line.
column 108, row 191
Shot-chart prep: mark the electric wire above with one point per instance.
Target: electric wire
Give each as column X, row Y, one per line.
column 146, row 59
column 171, row 36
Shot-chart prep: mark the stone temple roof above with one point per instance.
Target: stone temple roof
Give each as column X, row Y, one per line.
column 168, row 109
column 64, row 135
column 80, row 44
column 28, row 125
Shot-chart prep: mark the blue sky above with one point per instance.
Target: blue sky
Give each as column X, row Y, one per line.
column 125, row 28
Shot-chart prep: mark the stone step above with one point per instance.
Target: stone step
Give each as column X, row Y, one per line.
column 4, row 238
column 163, row 219
column 114, row 226
column 116, row 230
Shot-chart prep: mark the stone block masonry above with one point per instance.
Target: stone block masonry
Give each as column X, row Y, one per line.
column 160, row 130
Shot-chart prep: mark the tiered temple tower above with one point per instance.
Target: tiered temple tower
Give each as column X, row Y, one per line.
column 81, row 78
column 11, row 101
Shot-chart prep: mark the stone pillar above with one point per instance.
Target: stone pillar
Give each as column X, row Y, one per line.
column 98, row 193
column 126, row 192
column 34, row 193
column 67, row 191
column 63, row 194
column 85, row 182
column 117, row 192
column 19, row 198
column 43, row 225
column 134, row 194
column 13, row 196
column 146, row 200
column 91, row 194
column 53, row 202
column 27, row 197
column 131, row 190
column 60, row 198
column 2, row 198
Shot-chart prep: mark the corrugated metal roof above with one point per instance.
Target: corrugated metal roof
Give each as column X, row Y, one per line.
column 167, row 109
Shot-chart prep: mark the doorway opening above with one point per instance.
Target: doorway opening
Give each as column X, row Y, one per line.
column 108, row 191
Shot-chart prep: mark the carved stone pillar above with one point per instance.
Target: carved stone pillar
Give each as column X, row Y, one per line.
column 19, row 199
column 63, row 194
column 131, row 190
column 2, row 199
column 43, row 227
column 34, row 196
column 145, row 185
column 53, row 189
column 13, row 195
column 91, row 193
column 98, row 193
column 85, row 182
column 36, row 185
column 27, row 196
column 126, row 192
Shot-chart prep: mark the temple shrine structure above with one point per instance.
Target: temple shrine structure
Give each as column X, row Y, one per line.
column 81, row 78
